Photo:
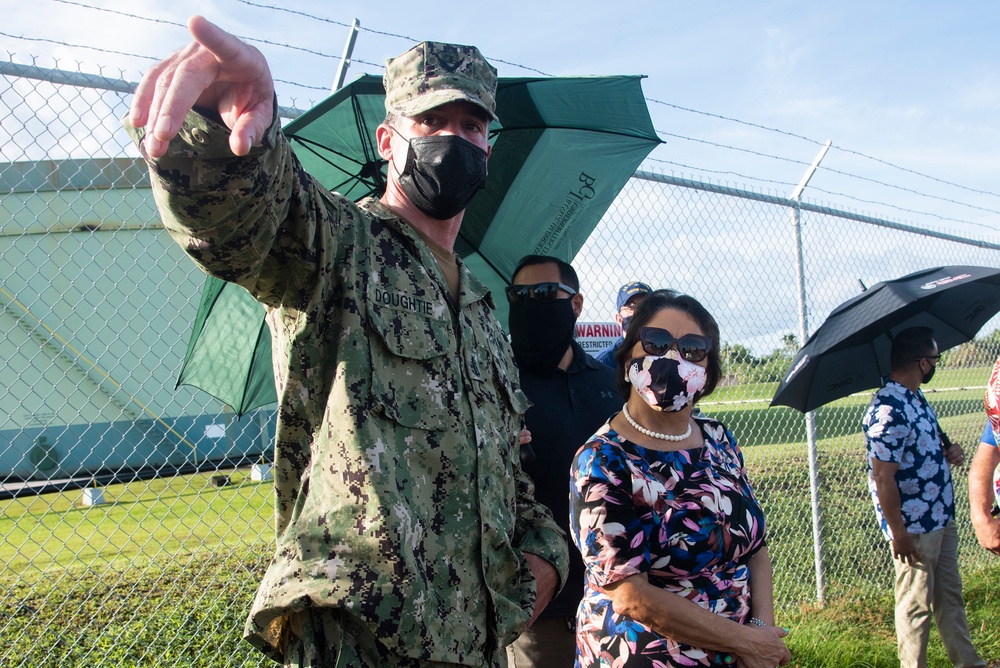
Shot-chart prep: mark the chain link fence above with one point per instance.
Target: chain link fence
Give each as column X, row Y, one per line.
column 136, row 515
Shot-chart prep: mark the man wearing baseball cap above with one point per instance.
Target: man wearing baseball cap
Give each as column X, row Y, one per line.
column 629, row 296
column 407, row 534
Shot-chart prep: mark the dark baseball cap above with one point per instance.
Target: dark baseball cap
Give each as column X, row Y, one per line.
column 434, row 73
column 630, row 290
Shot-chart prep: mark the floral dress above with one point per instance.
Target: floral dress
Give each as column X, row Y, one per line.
column 689, row 519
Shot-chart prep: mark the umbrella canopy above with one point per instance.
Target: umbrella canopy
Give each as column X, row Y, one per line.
column 335, row 140
column 850, row 350
column 562, row 152
column 231, row 359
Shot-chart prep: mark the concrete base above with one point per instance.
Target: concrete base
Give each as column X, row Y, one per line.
column 93, row 496
column 261, row 472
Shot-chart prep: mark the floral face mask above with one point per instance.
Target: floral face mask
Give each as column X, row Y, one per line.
column 667, row 383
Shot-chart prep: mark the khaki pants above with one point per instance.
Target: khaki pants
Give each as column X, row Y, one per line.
column 549, row 643
column 933, row 584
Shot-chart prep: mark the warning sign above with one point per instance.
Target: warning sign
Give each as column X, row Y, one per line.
column 593, row 336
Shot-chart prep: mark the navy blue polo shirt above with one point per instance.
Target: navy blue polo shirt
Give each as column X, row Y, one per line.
column 567, row 407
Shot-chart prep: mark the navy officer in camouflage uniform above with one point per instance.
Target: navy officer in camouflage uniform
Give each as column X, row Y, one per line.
column 407, row 534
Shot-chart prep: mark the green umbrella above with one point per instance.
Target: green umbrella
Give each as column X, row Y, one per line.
column 231, row 359
column 563, row 150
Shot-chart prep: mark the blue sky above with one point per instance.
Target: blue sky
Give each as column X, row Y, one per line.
column 742, row 93
column 913, row 84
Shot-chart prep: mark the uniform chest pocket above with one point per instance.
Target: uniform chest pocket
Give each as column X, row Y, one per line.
column 507, row 378
column 413, row 368
column 490, row 368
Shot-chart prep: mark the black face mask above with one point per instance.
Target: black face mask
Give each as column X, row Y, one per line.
column 442, row 173
column 625, row 323
column 540, row 333
column 929, row 374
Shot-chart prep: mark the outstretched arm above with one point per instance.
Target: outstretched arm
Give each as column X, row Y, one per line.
column 216, row 71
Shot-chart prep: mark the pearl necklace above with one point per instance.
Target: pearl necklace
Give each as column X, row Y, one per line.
column 653, row 434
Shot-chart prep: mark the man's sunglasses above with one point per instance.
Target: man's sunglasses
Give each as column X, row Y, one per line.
column 540, row 292
column 657, row 341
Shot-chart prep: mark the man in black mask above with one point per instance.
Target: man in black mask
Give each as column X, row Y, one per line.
column 406, row 532
column 571, row 395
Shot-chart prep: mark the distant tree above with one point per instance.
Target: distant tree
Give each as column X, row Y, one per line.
column 789, row 345
column 744, row 367
column 977, row 352
column 737, row 362
column 736, row 353
column 991, row 345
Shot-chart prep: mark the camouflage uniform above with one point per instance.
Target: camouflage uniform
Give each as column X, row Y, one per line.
column 399, row 495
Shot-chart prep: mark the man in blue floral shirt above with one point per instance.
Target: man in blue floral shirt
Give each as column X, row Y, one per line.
column 909, row 477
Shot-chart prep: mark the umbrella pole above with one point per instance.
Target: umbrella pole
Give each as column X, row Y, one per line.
column 817, row 523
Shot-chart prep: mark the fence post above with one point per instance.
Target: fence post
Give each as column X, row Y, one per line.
column 345, row 58
column 817, row 521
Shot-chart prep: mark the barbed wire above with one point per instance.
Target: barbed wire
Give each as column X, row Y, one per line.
column 384, row 33
column 245, row 38
column 819, row 143
column 832, row 171
column 911, row 171
column 653, row 101
column 812, row 188
column 734, row 120
column 45, row 40
column 133, row 55
column 295, row 12
column 120, row 13
column 910, row 190
column 855, row 198
column 794, row 161
column 721, row 172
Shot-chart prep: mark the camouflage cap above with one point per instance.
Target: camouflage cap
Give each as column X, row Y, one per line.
column 433, row 73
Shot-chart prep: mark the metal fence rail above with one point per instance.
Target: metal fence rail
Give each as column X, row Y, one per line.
column 96, row 304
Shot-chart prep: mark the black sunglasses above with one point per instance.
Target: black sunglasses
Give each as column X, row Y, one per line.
column 540, row 292
column 657, row 341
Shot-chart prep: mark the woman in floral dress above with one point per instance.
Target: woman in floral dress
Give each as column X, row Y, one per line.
column 660, row 507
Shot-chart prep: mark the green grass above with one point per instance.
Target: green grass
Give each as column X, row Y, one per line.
column 142, row 521
column 858, row 632
column 162, row 575
column 745, row 410
column 165, row 573
column 190, row 612
column 184, row 612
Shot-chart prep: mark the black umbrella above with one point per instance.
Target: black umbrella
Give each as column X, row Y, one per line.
column 850, row 350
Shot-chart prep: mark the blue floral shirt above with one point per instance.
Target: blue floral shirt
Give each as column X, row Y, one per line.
column 901, row 427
